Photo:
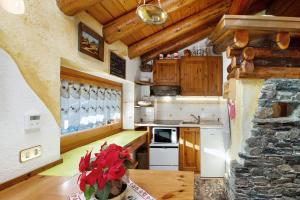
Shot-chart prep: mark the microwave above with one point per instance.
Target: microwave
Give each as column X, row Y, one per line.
column 164, row 136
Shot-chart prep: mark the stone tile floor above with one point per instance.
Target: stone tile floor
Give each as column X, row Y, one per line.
column 209, row 189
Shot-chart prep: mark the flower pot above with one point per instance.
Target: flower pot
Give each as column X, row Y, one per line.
column 121, row 196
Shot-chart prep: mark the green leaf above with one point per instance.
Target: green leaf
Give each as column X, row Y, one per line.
column 89, row 191
column 103, row 194
column 128, row 164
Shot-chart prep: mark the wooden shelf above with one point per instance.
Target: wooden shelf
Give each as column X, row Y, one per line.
column 143, row 83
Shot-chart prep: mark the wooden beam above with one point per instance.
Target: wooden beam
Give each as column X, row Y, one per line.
column 179, row 43
column 282, row 40
column 258, row 6
column 274, row 41
column 277, row 62
column 130, row 23
column 284, row 8
column 239, row 39
column 229, row 68
column 263, row 53
column 248, row 53
column 185, row 26
column 270, row 72
column 239, row 7
column 72, row 7
column 247, row 66
column 269, row 53
column 255, row 25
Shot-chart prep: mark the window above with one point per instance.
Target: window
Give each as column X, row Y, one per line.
column 88, row 102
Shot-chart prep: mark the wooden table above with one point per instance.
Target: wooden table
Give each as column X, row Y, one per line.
column 160, row 184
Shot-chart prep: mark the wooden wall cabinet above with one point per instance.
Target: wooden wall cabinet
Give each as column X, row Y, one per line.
column 201, row 76
column 189, row 149
column 166, row 72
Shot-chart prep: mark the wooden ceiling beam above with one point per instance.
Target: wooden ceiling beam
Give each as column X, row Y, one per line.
column 262, row 72
column 239, row 7
column 258, row 6
column 284, row 8
column 72, row 7
column 129, row 23
column 179, row 43
column 208, row 15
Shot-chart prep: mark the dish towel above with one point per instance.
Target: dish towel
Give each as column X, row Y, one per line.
column 133, row 192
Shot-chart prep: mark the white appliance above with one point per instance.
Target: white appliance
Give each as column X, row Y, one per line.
column 164, row 149
column 212, row 152
column 164, row 136
column 164, row 157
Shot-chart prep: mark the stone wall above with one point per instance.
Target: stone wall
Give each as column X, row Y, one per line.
column 271, row 162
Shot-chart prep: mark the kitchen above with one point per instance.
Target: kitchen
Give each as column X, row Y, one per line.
column 162, row 99
column 170, row 109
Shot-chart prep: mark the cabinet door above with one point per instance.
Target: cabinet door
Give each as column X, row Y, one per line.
column 166, row 72
column 215, row 73
column 201, row 76
column 189, row 149
column 194, row 76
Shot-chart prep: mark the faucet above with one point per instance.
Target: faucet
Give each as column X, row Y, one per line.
column 196, row 118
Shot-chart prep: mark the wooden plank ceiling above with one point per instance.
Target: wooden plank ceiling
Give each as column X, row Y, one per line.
column 185, row 17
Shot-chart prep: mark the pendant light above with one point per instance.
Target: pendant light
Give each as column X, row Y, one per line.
column 151, row 14
column 13, row 6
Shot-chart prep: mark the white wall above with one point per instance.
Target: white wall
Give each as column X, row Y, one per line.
column 17, row 99
column 226, row 62
column 133, row 69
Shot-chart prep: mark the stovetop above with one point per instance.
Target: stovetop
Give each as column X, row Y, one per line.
column 167, row 122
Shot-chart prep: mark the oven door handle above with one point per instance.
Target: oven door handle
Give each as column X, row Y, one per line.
column 164, row 147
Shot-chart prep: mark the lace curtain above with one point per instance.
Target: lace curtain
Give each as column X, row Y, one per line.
column 85, row 106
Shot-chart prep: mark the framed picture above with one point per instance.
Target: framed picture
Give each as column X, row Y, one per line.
column 90, row 42
column 117, row 65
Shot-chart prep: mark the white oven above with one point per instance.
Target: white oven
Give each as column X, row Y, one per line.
column 164, row 152
column 164, row 136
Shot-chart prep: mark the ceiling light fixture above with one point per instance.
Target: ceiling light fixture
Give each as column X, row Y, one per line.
column 13, row 6
column 151, row 14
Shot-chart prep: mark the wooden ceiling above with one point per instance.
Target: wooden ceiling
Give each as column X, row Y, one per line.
column 186, row 17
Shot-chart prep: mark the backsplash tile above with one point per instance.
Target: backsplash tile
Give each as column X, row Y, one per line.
column 182, row 111
column 173, row 109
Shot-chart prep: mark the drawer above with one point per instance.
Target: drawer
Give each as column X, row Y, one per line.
column 164, row 156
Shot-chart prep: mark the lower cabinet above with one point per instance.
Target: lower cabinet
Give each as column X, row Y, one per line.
column 189, row 149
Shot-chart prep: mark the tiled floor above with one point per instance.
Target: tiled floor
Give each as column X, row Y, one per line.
column 209, row 189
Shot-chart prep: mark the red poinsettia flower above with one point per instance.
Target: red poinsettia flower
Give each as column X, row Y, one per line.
column 114, row 147
column 84, row 163
column 125, row 154
column 92, row 176
column 116, row 171
column 107, row 166
column 107, row 158
column 82, row 179
column 102, row 181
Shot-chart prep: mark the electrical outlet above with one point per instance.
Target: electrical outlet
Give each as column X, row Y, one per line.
column 31, row 153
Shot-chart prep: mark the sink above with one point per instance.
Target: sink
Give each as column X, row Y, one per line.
column 189, row 122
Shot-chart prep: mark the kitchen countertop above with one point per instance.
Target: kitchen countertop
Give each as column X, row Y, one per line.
column 71, row 158
column 203, row 124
